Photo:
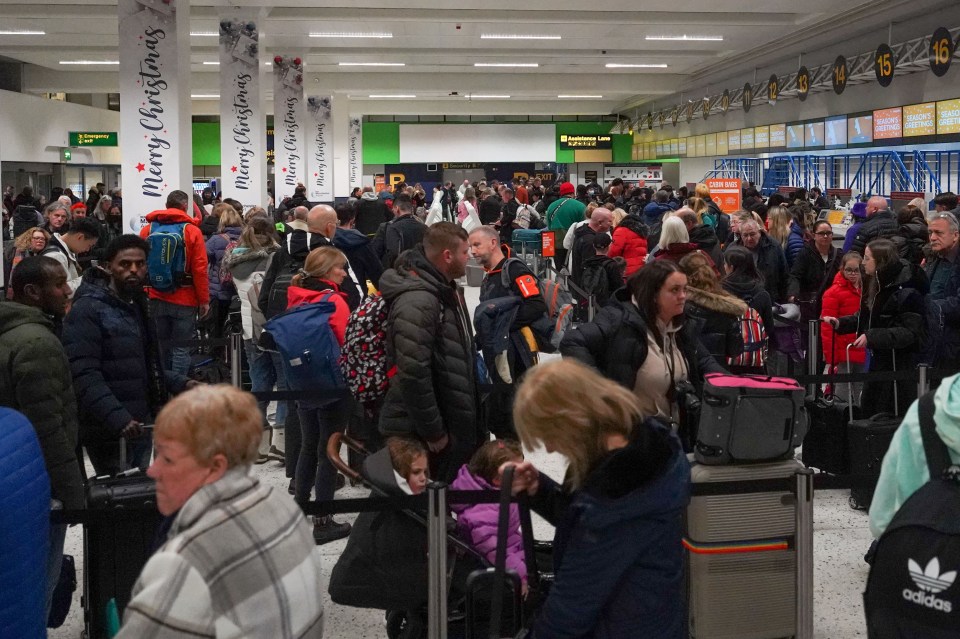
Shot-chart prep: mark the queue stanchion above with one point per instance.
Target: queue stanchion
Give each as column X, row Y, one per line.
column 236, row 357
column 813, row 341
column 804, row 553
column 923, row 383
column 437, row 560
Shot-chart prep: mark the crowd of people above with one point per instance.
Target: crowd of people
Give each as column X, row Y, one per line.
column 682, row 289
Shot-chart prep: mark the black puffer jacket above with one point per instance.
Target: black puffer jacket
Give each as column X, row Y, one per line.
column 434, row 391
column 615, row 343
column 716, row 320
column 881, row 224
column 705, row 237
column 371, row 213
column 115, row 363
column 910, row 240
column 396, row 236
column 811, row 276
column 893, row 324
column 772, row 264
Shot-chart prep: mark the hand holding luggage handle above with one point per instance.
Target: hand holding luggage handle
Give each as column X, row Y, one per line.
column 123, row 452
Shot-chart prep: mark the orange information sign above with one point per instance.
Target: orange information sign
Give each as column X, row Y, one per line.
column 548, row 243
column 726, row 193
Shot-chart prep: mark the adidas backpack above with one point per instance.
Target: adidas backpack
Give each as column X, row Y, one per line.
column 912, row 590
column 167, row 260
column 754, row 353
column 364, row 362
column 308, row 348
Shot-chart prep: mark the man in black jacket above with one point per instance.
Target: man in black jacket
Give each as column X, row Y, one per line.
column 116, row 366
column 433, row 395
column 400, row 234
column 881, row 222
column 506, row 367
column 771, row 262
column 371, row 212
column 364, row 265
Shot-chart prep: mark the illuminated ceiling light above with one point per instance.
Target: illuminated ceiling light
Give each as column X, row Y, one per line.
column 351, row 35
column 488, row 97
column 579, row 97
column 371, row 64
column 21, row 32
column 617, row 65
column 205, row 96
column 204, row 34
column 396, row 96
column 212, row 63
column 89, row 62
column 517, row 36
column 526, row 65
column 686, row 38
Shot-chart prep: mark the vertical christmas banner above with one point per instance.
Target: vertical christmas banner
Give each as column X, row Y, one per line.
column 288, row 125
column 319, row 149
column 355, row 150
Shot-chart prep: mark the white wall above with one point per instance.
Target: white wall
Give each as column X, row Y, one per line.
column 420, row 143
column 34, row 130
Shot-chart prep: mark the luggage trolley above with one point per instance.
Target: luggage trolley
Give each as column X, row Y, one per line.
column 535, row 247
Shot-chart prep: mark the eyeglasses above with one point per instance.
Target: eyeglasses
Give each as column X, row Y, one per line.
column 824, row 233
column 851, row 271
column 751, row 234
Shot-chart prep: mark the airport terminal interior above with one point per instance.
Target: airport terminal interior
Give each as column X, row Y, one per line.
column 251, row 100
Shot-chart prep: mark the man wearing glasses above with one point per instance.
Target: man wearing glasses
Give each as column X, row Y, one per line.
column 944, row 299
column 771, row 262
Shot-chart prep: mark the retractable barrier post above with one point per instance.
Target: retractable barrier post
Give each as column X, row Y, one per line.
column 437, row 560
column 923, row 384
column 804, row 553
column 813, row 340
column 236, row 357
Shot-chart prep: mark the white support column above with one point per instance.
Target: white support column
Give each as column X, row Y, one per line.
column 156, row 148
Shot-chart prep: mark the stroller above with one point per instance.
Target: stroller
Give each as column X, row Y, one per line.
column 384, row 565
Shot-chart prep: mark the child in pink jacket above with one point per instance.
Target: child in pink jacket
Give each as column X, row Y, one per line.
column 477, row 524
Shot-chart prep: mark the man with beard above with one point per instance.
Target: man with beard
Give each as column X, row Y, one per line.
column 114, row 359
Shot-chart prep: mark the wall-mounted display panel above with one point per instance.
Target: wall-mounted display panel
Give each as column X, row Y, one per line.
column 778, row 136
column 813, row 135
column 919, row 119
column 722, row 148
column 835, row 132
column 794, row 136
column 860, row 129
column 761, row 138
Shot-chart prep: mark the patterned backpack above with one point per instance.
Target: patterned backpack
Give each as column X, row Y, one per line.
column 754, row 341
column 363, row 359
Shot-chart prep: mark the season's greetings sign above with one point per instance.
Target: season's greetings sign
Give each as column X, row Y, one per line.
column 319, row 149
column 355, row 151
column 242, row 120
column 288, row 126
column 155, row 146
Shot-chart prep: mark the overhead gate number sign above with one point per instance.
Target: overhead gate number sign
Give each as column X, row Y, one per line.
column 586, row 141
column 726, row 193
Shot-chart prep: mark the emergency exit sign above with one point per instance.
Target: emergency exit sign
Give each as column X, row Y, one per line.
column 93, row 138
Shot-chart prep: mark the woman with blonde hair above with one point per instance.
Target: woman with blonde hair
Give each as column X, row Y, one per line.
column 30, row 242
column 699, row 206
column 319, row 281
column 786, row 231
column 624, row 496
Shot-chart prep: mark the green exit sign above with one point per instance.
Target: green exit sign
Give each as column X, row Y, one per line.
column 93, row 138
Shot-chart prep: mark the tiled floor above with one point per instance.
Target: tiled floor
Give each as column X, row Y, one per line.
column 841, row 537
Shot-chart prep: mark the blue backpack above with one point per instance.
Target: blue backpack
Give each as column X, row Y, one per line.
column 308, row 347
column 167, row 261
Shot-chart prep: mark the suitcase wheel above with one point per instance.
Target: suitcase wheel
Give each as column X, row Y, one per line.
column 855, row 504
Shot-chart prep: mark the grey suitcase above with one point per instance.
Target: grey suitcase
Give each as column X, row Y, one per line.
column 750, row 555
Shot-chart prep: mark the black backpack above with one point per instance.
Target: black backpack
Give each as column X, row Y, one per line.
column 912, row 590
column 593, row 280
column 277, row 302
column 24, row 219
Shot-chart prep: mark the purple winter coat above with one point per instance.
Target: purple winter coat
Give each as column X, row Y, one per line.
column 477, row 524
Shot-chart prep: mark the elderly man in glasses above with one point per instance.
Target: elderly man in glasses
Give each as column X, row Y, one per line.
column 771, row 262
column 943, row 271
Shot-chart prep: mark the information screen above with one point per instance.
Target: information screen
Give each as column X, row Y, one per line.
column 675, row 146
column 813, row 134
column 948, row 117
column 746, row 139
column 860, row 129
column 795, row 136
column 701, row 146
column 683, row 146
column 761, row 137
column 835, row 132
column 733, row 140
column 710, row 144
column 888, row 123
column 722, row 148
column 919, row 119
column 778, row 136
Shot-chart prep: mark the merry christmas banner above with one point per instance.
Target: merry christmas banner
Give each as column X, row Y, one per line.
column 243, row 135
column 319, row 149
column 289, row 139
column 155, row 144
column 355, row 151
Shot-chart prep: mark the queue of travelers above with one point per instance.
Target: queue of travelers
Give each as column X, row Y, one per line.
column 676, row 281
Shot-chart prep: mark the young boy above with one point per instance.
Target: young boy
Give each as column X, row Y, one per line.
column 409, row 459
column 601, row 274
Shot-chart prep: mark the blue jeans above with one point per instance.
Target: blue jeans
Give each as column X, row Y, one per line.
column 174, row 321
column 266, row 370
column 314, row 470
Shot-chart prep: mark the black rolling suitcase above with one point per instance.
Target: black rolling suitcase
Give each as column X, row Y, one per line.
column 115, row 548
column 826, row 447
column 867, row 442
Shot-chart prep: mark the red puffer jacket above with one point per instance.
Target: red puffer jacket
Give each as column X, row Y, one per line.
column 839, row 300
column 630, row 243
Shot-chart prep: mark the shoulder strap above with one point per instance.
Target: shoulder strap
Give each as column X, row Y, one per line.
column 938, row 456
column 505, row 271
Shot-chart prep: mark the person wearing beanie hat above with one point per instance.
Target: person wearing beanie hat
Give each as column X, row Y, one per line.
column 859, row 213
column 561, row 215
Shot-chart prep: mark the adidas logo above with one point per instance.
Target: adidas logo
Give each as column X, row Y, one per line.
column 929, row 580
